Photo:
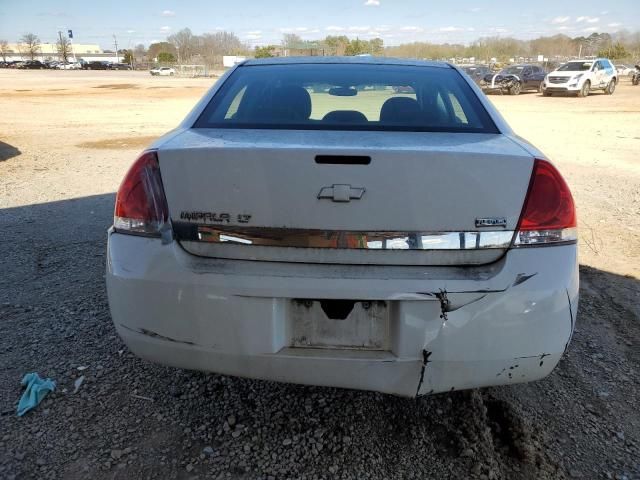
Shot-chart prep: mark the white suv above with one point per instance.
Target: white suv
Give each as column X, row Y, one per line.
column 163, row 71
column 582, row 76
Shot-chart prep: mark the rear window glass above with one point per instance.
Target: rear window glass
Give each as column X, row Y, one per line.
column 347, row 97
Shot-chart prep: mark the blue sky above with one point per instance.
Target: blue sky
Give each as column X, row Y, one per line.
column 262, row 22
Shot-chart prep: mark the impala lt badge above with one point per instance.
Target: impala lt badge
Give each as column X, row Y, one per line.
column 214, row 217
column 491, row 222
column 341, row 193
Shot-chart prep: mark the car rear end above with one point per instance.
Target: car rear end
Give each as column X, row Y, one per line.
column 417, row 247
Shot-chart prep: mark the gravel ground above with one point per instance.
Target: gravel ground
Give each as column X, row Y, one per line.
column 133, row 419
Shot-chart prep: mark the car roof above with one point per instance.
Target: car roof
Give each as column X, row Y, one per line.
column 345, row 60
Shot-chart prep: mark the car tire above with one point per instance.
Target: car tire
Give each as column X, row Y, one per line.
column 171, row 74
column 584, row 91
column 516, row 89
column 635, row 80
column 611, row 87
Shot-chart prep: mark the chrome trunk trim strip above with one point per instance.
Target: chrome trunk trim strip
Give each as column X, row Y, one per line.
column 341, row 239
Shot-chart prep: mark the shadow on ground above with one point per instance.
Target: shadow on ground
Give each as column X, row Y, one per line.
column 133, row 419
column 8, row 151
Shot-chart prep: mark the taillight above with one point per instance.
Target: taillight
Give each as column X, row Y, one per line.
column 141, row 206
column 549, row 214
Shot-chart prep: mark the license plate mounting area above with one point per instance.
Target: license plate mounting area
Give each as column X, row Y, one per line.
column 339, row 324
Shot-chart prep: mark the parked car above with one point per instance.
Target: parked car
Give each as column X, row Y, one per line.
column 33, row 65
column 624, row 70
column 69, row 66
column 580, row 77
column 268, row 238
column 514, row 79
column 163, row 71
column 120, row 66
column 635, row 77
column 96, row 65
column 477, row 72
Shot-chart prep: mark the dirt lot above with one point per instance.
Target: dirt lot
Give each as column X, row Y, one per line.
column 66, row 139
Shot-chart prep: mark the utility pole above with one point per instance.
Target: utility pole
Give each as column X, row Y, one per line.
column 115, row 42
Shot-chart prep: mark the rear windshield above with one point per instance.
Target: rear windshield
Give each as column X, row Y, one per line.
column 347, row 97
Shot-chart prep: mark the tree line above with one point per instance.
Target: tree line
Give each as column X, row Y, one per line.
column 186, row 47
column 621, row 45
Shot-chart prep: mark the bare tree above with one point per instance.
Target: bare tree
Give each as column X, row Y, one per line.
column 63, row 45
column 139, row 52
column 291, row 40
column 4, row 49
column 213, row 46
column 30, row 45
column 185, row 43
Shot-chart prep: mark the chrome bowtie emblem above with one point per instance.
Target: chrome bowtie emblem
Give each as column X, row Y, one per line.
column 341, row 193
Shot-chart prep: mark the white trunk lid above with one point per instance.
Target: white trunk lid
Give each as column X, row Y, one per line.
column 415, row 182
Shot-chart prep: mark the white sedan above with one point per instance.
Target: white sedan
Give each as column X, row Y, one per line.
column 624, row 71
column 306, row 223
column 163, row 71
column 68, row 66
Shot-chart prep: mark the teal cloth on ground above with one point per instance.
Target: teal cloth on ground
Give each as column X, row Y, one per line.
column 36, row 390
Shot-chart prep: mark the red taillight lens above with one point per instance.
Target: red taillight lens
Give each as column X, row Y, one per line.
column 141, row 206
column 549, row 214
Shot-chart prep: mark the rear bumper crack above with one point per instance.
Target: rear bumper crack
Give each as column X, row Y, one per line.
column 425, row 360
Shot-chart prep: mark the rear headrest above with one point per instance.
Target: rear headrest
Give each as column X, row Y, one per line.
column 289, row 103
column 345, row 116
column 400, row 110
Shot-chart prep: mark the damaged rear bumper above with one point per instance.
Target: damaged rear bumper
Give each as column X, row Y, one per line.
column 449, row 328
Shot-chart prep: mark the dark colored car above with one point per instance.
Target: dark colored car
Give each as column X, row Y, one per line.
column 96, row 65
column 514, row 79
column 33, row 65
column 120, row 66
column 477, row 72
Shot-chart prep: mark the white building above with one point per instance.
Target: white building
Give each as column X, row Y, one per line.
column 49, row 51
